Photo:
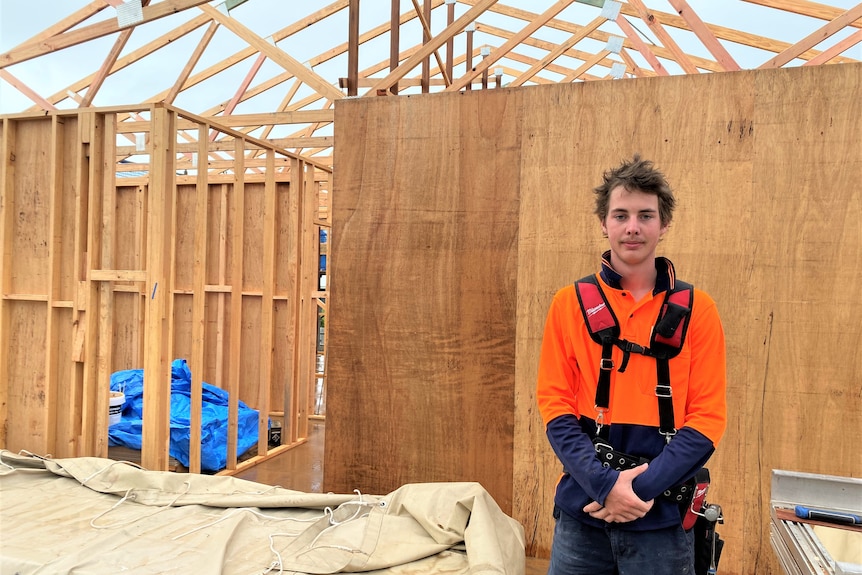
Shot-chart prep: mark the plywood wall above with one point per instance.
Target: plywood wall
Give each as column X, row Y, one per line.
column 456, row 218
column 424, row 281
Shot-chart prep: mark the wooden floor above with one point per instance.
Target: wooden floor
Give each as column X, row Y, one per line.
column 301, row 469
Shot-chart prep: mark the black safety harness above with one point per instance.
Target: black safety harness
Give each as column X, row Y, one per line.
column 666, row 341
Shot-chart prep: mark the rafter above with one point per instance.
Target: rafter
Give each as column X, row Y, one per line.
column 134, row 56
column 548, row 46
column 702, row 31
column 836, row 49
column 26, row 90
column 583, row 68
column 193, row 60
column 280, row 57
column 558, row 51
column 109, row 62
column 98, row 30
column 66, row 23
column 654, row 24
column 815, row 38
column 641, row 46
column 805, row 8
column 572, row 56
column 632, row 66
column 495, row 55
column 597, row 35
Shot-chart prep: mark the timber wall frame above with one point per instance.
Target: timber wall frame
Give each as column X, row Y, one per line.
column 101, row 273
column 471, row 222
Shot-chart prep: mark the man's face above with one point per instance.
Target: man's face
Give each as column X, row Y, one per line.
column 633, row 226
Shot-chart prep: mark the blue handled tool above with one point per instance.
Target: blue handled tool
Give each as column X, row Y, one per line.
column 828, row 515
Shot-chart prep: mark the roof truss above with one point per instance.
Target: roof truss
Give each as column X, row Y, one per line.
column 585, row 47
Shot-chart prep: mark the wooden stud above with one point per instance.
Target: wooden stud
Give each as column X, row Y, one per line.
column 237, row 209
column 450, row 43
column 426, row 50
column 308, row 266
column 93, row 134
column 291, row 391
column 424, row 15
column 157, row 360
column 221, row 305
column 425, row 19
column 53, row 412
column 469, row 60
column 106, row 182
column 7, row 209
column 267, row 322
column 394, row 40
column 352, row 48
column 199, row 302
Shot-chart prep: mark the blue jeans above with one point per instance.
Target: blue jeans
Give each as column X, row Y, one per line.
column 581, row 549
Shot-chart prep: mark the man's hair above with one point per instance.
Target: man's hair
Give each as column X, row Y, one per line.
column 636, row 175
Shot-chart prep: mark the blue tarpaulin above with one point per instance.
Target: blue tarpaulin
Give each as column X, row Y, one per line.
column 214, row 413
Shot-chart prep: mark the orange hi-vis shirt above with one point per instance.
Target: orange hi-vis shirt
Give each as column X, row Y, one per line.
column 566, row 394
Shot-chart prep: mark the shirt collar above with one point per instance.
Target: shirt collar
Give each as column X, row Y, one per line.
column 664, row 280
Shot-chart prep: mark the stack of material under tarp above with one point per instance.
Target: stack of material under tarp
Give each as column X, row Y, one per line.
column 214, row 417
column 815, row 523
column 92, row 515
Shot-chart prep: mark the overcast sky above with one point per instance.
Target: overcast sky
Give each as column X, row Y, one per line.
column 22, row 19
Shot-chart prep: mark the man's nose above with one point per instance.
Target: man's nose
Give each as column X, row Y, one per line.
column 632, row 227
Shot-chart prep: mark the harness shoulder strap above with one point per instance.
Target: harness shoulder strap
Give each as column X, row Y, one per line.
column 605, row 330
column 666, row 342
column 671, row 325
column 598, row 315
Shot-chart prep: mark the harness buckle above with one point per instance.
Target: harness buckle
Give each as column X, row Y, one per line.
column 600, row 418
column 668, row 435
column 633, row 347
column 606, row 364
column 663, row 391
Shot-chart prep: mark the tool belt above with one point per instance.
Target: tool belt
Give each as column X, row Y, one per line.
column 620, row 461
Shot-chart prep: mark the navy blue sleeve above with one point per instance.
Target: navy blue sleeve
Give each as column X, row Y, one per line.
column 575, row 450
column 680, row 459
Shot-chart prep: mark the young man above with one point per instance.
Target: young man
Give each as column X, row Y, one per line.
column 622, row 522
